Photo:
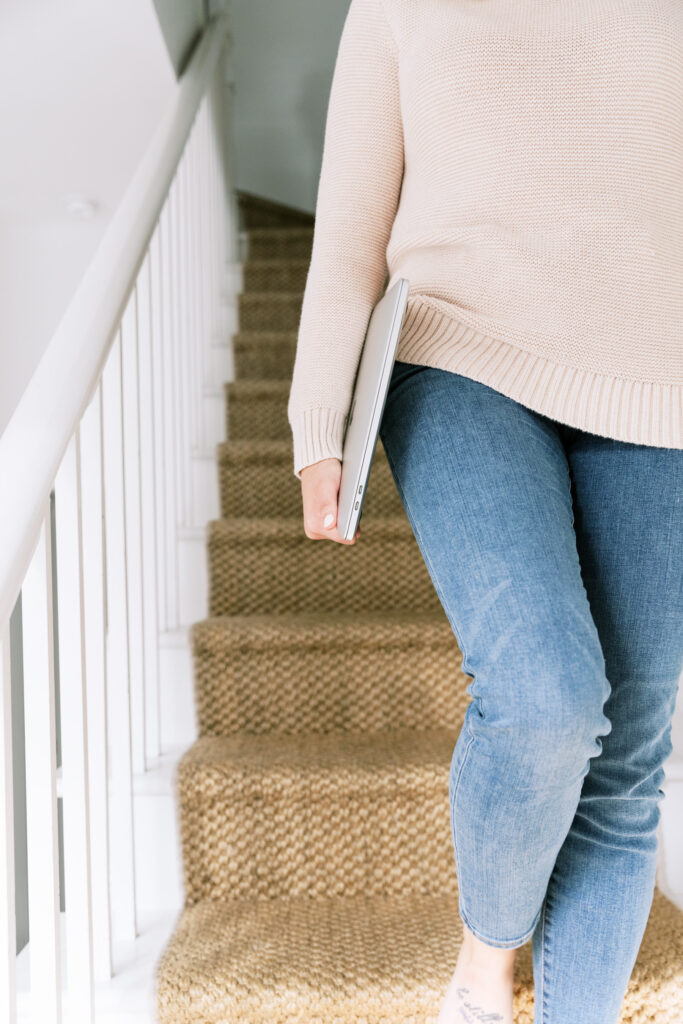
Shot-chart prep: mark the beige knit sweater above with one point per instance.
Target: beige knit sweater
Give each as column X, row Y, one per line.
column 521, row 163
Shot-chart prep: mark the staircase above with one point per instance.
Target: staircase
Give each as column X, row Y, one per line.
column 313, row 808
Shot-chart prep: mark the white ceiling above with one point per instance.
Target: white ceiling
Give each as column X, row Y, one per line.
column 81, row 84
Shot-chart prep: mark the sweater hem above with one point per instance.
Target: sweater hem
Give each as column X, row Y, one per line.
column 638, row 412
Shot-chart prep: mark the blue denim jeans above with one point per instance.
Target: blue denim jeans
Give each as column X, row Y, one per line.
column 557, row 555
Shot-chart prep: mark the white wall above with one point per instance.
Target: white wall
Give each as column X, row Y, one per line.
column 282, row 62
column 82, row 85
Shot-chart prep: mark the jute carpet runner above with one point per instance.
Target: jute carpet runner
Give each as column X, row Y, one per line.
column 319, row 875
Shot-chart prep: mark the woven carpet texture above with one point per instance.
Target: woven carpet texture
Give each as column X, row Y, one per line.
column 319, row 876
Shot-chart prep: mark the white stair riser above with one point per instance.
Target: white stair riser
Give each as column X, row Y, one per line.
column 213, row 406
column 193, row 576
column 219, row 364
column 234, row 277
column 205, row 490
column 158, row 863
column 178, row 724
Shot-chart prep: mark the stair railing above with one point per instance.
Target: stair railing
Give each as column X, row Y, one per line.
column 95, row 473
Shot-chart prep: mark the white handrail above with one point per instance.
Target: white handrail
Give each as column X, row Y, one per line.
column 35, row 440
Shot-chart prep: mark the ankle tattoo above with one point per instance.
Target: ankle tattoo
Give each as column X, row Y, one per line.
column 474, row 1014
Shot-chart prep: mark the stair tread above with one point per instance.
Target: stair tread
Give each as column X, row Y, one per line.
column 380, row 670
column 255, row 337
column 254, row 448
column 423, row 626
column 379, row 528
column 283, row 815
column 302, row 959
column 286, row 231
column 271, row 565
column 258, row 386
column 241, row 444
column 263, row 261
column 270, row 295
column 372, row 958
column 396, row 754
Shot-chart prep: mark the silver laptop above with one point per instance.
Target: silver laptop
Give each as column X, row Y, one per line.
column 367, row 404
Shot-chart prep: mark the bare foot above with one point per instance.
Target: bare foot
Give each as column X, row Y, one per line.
column 480, row 991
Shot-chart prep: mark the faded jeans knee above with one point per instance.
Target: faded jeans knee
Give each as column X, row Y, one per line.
column 515, row 781
column 540, row 714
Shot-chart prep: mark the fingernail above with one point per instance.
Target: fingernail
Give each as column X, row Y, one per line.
column 328, row 520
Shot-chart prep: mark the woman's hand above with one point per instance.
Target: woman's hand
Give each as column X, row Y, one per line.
column 319, row 490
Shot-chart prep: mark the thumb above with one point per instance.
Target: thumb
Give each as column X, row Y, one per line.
column 327, row 509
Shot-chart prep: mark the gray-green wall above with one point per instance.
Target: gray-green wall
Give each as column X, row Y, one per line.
column 282, row 63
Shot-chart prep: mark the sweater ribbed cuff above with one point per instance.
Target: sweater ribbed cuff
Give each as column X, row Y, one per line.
column 317, row 435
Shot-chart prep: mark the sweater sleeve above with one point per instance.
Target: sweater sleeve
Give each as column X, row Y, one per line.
column 358, row 190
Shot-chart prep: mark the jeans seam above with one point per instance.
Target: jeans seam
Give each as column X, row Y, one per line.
column 446, row 605
column 454, row 789
column 571, row 496
column 545, row 955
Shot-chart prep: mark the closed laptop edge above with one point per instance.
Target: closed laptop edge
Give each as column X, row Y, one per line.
column 368, row 399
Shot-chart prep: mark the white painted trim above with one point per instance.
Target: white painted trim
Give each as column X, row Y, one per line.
column 121, row 854
column 130, row 403
column 74, row 734
column 178, row 723
column 8, row 919
column 129, row 997
column 94, row 584
column 148, row 512
column 41, row 781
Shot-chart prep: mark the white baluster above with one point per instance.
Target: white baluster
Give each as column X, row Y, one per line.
column 216, row 280
column 177, row 348
column 187, row 331
column 94, row 584
column 197, row 346
column 184, row 334
column 204, row 229
column 217, row 95
column 41, row 783
column 132, row 490
column 171, row 504
column 148, row 511
column 160, row 439
column 8, row 917
column 219, row 187
column 203, row 235
column 73, row 719
column 225, row 70
column 198, row 338
column 121, row 833
column 202, row 334
column 206, row 273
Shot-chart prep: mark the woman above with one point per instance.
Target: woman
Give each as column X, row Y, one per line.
column 519, row 162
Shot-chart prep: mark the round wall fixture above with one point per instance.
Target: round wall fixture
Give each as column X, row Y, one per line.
column 80, row 207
